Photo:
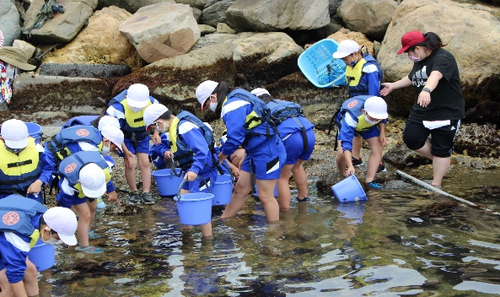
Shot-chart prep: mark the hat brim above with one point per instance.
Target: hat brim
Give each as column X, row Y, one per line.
column 94, row 193
column 203, row 104
column 378, row 116
column 136, row 104
column 68, row 239
column 403, row 49
column 339, row 55
column 21, row 65
column 16, row 144
column 118, row 146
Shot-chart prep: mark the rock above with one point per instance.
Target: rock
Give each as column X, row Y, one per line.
column 131, row 5
column 267, row 15
column 50, row 93
column 215, row 13
column 100, row 42
column 161, row 31
column 9, row 22
column 83, row 70
column 367, row 16
column 63, row 27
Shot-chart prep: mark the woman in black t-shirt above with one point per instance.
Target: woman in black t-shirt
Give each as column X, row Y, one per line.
column 439, row 103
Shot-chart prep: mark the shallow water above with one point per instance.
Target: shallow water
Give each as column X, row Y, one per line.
column 382, row 247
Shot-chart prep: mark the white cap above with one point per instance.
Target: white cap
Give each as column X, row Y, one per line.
column 345, row 48
column 15, row 134
column 137, row 96
column 107, row 120
column 204, row 90
column 260, row 91
column 93, row 180
column 63, row 221
column 115, row 135
column 152, row 113
column 376, row 108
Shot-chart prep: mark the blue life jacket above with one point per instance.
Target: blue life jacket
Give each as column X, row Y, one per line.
column 182, row 153
column 17, row 212
column 134, row 126
column 357, row 86
column 57, row 145
column 282, row 110
column 70, row 167
column 355, row 106
column 84, row 120
column 260, row 114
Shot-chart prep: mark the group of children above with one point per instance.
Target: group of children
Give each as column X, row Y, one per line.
column 265, row 140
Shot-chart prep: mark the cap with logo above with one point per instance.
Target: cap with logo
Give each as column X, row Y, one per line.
column 15, row 134
column 113, row 134
column 345, row 48
column 152, row 113
column 92, row 180
column 137, row 96
column 63, row 221
column 204, row 90
column 376, row 108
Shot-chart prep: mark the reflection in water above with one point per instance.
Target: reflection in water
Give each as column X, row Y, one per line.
column 382, row 247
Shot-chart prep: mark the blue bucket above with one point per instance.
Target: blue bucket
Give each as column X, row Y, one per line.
column 348, row 190
column 194, row 208
column 222, row 190
column 35, row 131
column 42, row 255
column 167, row 183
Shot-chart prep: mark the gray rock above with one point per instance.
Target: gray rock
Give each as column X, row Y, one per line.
column 9, row 22
column 83, row 70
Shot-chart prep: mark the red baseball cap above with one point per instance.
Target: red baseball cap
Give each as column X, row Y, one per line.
column 410, row 39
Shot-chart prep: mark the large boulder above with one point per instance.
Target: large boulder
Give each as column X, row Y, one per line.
column 62, row 27
column 475, row 33
column 9, row 22
column 215, row 13
column 269, row 15
column 99, row 43
column 239, row 59
column 367, row 16
column 130, row 5
column 161, row 30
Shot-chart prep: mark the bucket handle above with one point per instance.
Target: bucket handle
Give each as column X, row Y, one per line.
column 173, row 170
column 178, row 196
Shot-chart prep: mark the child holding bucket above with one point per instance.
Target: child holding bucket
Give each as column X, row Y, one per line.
column 246, row 120
column 22, row 224
column 363, row 115
column 192, row 145
column 297, row 134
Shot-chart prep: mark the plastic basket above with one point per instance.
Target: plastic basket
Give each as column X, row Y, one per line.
column 319, row 67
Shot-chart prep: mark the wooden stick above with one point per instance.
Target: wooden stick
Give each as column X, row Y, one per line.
column 439, row 191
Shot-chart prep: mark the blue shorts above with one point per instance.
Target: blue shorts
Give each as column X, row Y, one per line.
column 370, row 133
column 142, row 146
column 294, row 146
column 266, row 160
column 67, row 201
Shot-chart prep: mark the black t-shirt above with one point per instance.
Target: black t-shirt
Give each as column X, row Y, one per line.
column 447, row 101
